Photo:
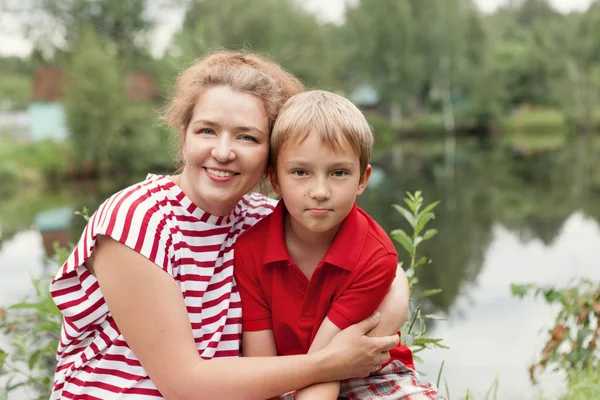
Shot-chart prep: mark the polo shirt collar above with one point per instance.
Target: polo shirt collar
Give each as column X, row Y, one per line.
column 346, row 248
column 275, row 248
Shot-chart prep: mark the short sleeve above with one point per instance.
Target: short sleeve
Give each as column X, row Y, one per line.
column 130, row 217
column 256, row 313
column 366, row 291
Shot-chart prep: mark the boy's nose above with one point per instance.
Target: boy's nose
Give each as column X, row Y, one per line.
column 320, row 192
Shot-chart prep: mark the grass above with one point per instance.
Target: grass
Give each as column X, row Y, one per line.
column 529, row 143
column 584, row 384
column 533, row 121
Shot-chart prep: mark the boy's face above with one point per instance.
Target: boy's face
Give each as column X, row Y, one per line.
column 318, row 185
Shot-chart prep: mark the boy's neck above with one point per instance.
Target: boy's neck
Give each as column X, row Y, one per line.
column 307, row 248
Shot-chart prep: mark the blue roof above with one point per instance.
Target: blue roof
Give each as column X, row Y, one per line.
column 365, row 95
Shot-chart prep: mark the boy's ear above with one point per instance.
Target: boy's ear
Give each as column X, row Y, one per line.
column 362, row 185
column 274, row 181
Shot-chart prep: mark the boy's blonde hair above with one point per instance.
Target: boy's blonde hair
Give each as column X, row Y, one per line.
column 333, row 117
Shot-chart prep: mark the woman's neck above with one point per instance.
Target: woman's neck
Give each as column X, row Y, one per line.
column 218, row 209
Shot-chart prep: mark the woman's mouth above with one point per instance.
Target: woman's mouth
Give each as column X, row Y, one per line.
column 220, row 173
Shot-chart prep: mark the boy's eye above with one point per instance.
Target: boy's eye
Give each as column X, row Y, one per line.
column 299, row 172
column 340, row 174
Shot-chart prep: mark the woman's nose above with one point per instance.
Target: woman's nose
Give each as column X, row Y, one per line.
column 223, row 150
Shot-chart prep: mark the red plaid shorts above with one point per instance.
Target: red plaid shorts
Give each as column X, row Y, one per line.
column 395, row 381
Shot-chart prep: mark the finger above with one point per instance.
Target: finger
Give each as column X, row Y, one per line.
column 369, row 323
column 386, row 343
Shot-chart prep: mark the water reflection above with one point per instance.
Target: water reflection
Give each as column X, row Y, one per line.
column 529, row 195
column 506, row 216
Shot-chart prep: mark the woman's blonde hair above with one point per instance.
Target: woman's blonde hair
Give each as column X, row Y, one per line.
column 337, row 121
column 241, row 71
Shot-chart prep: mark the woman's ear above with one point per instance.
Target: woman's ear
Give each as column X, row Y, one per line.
column 183, row 142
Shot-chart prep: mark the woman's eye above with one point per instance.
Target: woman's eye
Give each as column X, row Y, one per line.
column 206, row 131
column 340, row 174
column 248, row 138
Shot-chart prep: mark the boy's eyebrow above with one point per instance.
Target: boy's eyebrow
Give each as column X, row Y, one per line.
column 303, row 163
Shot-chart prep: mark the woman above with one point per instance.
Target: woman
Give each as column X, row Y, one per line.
column 148, row 294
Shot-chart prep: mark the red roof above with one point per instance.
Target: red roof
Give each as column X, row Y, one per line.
column 141, row 87
column 48, row 86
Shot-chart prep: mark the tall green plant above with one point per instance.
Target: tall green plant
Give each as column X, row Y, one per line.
column 33, row 327
column 418, row 215
column 574, row 340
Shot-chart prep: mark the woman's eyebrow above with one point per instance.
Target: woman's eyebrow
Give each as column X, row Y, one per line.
column 205, row 122
column 250, row 129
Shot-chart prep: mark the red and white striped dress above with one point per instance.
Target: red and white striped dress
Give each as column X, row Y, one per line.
column 157, row 220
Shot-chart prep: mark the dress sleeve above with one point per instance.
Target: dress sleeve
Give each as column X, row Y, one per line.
column 129, row 217
column 256, row 311
column 366, row 291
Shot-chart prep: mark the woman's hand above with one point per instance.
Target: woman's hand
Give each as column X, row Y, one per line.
column 352, row 354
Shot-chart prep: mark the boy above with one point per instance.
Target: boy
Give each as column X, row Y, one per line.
column 318, row 263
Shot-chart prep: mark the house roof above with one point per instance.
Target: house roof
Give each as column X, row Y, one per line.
column 49, row 85
column 141, row 87
column 365, row 96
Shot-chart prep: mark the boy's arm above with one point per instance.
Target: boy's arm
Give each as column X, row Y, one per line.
column 259, row 344
column 365, row 293
column 327, row 390
column 394, row 307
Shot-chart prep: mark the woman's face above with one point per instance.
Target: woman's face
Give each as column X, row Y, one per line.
column 225, row 151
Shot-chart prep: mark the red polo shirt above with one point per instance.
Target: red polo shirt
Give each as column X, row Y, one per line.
column 347, row 285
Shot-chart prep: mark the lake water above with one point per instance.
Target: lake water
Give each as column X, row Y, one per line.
column 507, row 216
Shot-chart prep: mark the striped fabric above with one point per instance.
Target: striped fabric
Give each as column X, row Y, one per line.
column 157, row 220
column 394, row 381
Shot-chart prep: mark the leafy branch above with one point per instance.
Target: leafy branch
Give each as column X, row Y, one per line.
column 418, row 215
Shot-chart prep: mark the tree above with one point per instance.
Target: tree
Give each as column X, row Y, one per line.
column 383, row 36
column 94, row 103
column 60, row 24
column 277, row 28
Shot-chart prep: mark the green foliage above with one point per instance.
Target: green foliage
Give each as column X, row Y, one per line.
column 33, row 326
column 124, row 24
column 94, row 102
column 534, row 121
column 384, row 133
column 15, row 91
column 42, row 157
column 9, row 177
column 110, row 135
column 574, row 339
column 287, row 33
column 583, row 384
column 418, row 215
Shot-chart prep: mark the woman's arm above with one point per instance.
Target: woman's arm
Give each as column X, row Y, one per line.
column 148, row 307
